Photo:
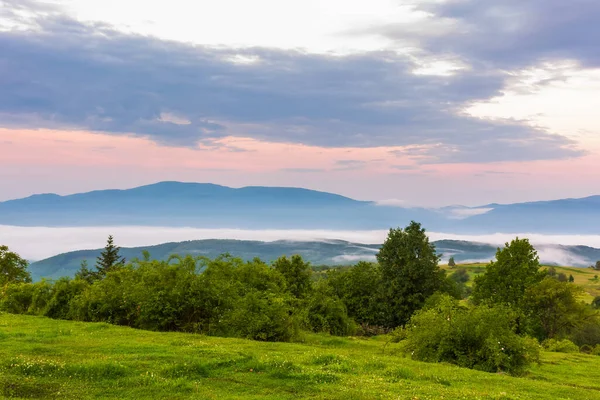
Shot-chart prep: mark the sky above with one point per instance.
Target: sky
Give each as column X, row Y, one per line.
column 420, row 102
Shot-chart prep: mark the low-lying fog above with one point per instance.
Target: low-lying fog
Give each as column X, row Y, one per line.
column 36, row 243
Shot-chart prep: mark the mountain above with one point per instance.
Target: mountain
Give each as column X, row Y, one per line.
column 331, row 252
column 207, row 206
column 567, row 216
column 204, row 205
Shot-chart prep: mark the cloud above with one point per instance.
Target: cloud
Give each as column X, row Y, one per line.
column 508, row 34
column 65, row 74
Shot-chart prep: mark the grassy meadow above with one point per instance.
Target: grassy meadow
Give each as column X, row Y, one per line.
column 46, row 358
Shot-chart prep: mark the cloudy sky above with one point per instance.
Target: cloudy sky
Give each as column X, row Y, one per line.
column 417, row 102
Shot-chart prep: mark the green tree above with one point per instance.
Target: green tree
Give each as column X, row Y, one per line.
column 84, row 273
column 13, row 268
column 505, row 281
column 410, row 272
column 451, row 262
column 297, row 274
column 359, row 288
column 554, row 307
column 571, row 279
column 108, row 259
column 460, row 276
column 596, row 266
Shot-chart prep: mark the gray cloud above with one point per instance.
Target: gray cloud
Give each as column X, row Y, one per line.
column 69, row 75
column 508, row 33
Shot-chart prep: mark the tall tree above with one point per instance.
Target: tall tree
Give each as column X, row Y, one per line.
column 410, row 272
column 13, row 268
column 108, row 259
column 451, row 262
column 517, row 267
column 297, row 274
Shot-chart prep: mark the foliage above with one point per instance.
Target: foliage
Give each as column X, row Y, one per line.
column 560, row 346
column 359, row 288
column 296, row 273
column 13, row 268
column 480, row 337
column 505, row 281
column 587, row 334
column 553, row 308
column 16, row 297
column 410, row 272
column 107, row 261
column 460, row 275
column 451, row 262
column 327, row 313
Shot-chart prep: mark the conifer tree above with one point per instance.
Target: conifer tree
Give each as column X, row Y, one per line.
column 108, row 259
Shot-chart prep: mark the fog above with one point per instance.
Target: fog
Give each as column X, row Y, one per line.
column 36, row 243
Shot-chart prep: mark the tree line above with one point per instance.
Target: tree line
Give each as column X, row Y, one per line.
column 498, row 324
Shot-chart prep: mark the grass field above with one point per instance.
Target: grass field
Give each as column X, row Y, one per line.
column 45, row 358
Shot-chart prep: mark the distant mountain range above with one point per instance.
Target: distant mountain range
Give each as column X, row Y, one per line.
column 332, row 252
column 213, row 206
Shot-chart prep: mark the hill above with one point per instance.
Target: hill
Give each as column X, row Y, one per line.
column 331, row 252
column 53, row 359
column 204, row 205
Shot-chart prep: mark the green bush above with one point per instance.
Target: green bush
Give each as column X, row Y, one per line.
column 327, row 313
column 16, row 297
column 587, row 334
column 560, row 346
column 481, row 338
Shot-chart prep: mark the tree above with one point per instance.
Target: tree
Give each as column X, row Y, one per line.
column 554, row 307
column 84, row 273
column 562, row 277
column 409, row 270
column 108, row 259
column 596, row 266
column 359, row 288
column 13, row 268
column 296, row 273
column 505, row 281
column 451, row 262
column 571, row 279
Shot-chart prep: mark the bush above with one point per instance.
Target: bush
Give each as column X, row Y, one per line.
column 260, row 316
column 587, row 334
column 481, row 338
column 16, row 297
column 560, row 346
column 327, row 313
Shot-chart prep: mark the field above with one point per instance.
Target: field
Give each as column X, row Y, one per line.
column 45, row 358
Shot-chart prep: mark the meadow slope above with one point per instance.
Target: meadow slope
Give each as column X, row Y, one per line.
column 45, row 358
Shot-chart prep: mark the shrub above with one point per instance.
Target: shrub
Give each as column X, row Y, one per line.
column 327, row 313
column 481, row 338
column 560, row 346
column 16, row 297
column 587, row 334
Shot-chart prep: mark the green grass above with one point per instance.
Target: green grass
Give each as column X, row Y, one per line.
column 45, row 358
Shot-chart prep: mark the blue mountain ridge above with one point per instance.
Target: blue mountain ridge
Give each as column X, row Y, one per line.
column 208, row 205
